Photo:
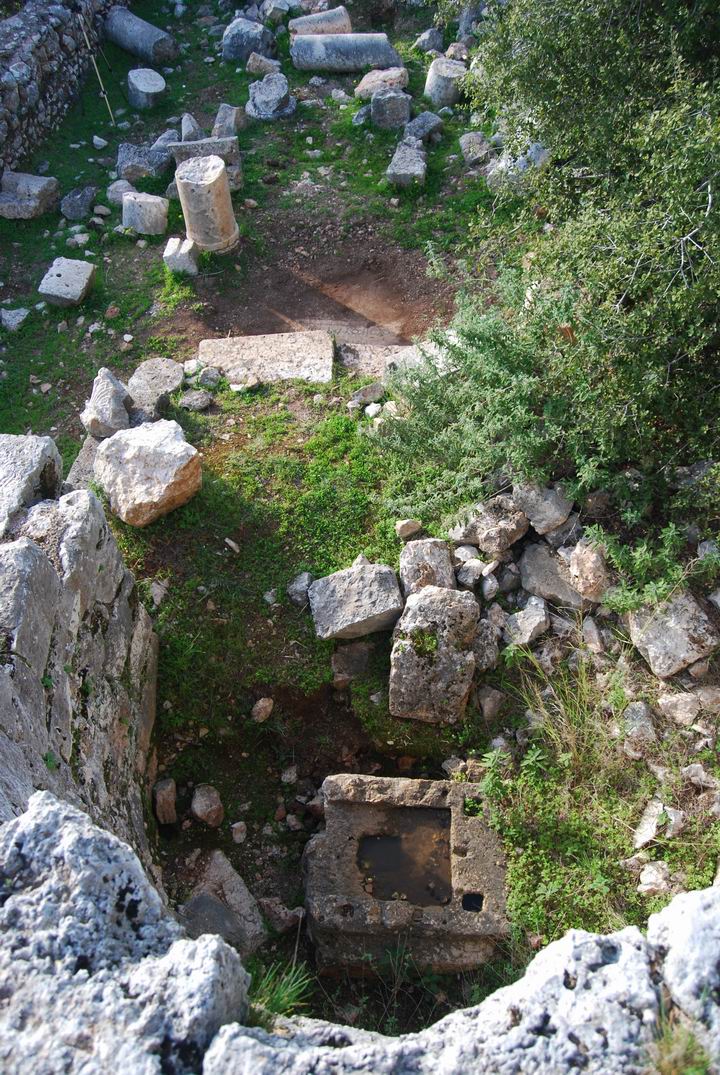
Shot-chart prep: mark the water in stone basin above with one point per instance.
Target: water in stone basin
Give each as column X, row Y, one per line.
column 411, row 859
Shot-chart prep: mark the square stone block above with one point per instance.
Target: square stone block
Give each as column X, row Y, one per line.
column 67, row 282
column 409, row 864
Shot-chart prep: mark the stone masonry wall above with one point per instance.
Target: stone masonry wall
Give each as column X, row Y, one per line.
column 43, row 62
column 78, row 655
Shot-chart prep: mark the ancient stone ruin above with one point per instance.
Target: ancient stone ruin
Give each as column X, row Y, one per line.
column 412, row 860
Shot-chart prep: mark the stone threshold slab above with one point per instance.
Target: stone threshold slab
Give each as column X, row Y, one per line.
column 282, row 356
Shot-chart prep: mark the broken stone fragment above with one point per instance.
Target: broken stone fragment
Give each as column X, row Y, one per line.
column 545, row 575
column 181, row 256
column 683, row 709
column 206, row 806
column 408, row 165
column 492, row 526
column 357, row 601
column 674, row 635
column 639, row 730
column 31, row 471
column 529, row 624
column 349, row 663
column 297, row 589
column 476, row 149
column 654, row 879
column 407, row 528
column 485, row 647
column 261, row 65
column 164, row 794
column 546, row 508
column 146, row 214
column 147, row 471
column 390, row 109
column 107, row 410
column 394, row 78
column 426, row 562
column 270, row 98
column 242, row 37
column 151, row 386
column 221, row 903
column 432, row 661
column 78, row 203
column 197, row 399
column 262, row 709
column 279, row 917
column 231, row 119
column 424, row 126
column 190, row 129
column 26, row 197
column 588, row 570
column 649, row 823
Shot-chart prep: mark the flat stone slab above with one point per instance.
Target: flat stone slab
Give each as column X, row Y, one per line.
column 283, row 356
column 67, row 282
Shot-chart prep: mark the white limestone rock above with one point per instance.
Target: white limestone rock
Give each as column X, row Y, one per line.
column 282, row 356
column 493, row 525
column 393, row 78
column 408, row 166
column 148, row 471
column 545, row 575
column 358, row 601
column 181, row 256
column 545, row 508
column 151, row 386
column 529, row 624
column 674, row 635
column 30, row 470
column 67, row 282
column 147, row 214
column 107, row 410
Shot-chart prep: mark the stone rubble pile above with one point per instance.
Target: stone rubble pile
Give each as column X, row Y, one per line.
column 515, row 571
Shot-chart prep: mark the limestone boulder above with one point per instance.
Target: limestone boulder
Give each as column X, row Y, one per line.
column 92, row 964
column 426, row 562
column 147, row 471
column 164, row 801
column 358, row 601
column 242, row 37
column 394, row 78
column 408, row 166
column 206, row 806
column 107, row 410
column 67, row 282
column 147, row 214
column 545, row 508
column 493, row 525
column 424, row 126
column 432, row 661
column 26, row 197
column 588, row 570
column 674, row 635
column 270, row 98
column 475, row 148
column 430, row 41
column 390, row 109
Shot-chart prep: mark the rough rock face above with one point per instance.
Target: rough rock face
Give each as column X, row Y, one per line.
column 355, row 602
column 674, row 635
column 77, row 679
column 148, row 471
column 97, row 977
column 432, row 661
column 221, row 903
column 493, row 526
column 544, row 575
column 107, row 409
column 93, row 968
column 426, row 562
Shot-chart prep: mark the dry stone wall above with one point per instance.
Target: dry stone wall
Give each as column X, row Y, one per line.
column 43, row 61
column 78, row 655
